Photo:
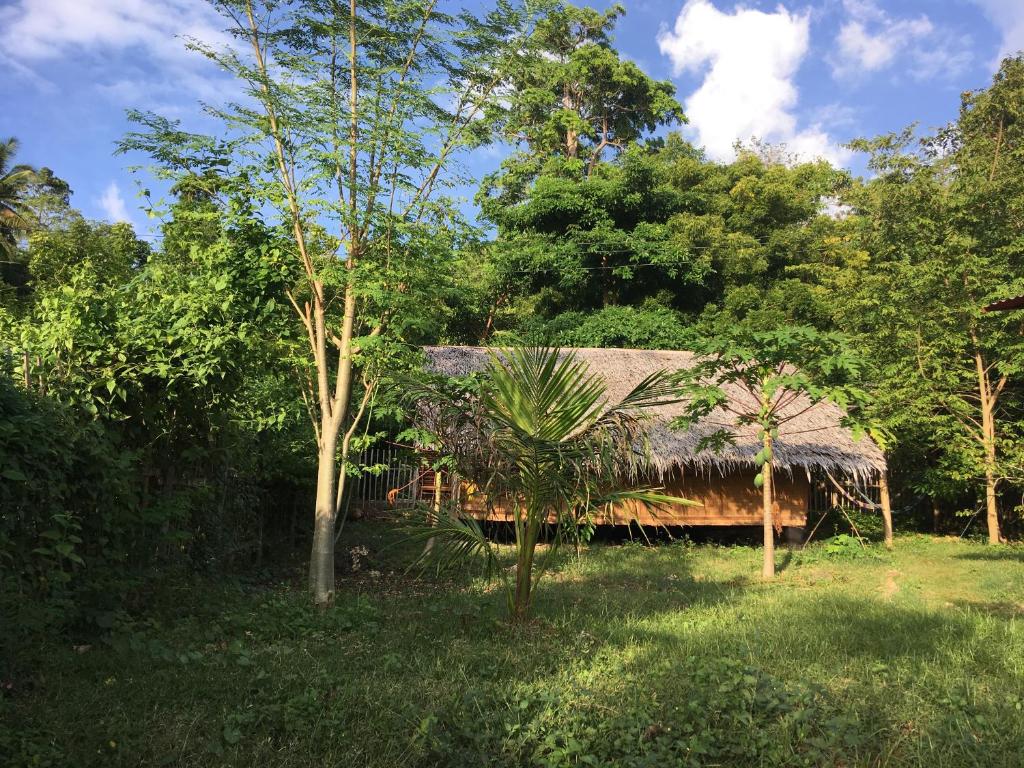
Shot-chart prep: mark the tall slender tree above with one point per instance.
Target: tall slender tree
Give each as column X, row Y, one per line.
column 942, row 223
column 349, row 117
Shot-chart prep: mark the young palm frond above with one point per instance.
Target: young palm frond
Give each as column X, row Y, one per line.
column 457, row 539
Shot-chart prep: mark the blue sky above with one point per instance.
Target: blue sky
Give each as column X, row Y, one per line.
column 810, row 75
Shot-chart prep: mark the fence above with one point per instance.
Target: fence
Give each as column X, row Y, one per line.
column 390, row 478
column 825, row 496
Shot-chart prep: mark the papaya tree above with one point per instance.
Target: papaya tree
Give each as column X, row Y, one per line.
column 781, row 374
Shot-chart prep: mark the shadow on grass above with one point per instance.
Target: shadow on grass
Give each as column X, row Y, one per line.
column 846, row 661
column 1002, row 609
column 1013, row 554
column 869, row 682
column 787, row 560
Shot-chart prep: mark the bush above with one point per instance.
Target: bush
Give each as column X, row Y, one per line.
column 65, row 500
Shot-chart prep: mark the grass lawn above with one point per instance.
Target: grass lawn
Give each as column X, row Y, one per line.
column 638, row 656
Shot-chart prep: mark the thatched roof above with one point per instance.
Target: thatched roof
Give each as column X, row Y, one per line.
column 814, row 439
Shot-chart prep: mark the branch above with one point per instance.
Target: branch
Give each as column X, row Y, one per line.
column 368, row 388
column 453, row 137
column 999, row 388
column 306, row 391
column 287, row 174
column 304, row 316
column 376, row 170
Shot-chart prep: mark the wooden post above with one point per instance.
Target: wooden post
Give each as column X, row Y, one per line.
column 883, row 492
column 436, row 509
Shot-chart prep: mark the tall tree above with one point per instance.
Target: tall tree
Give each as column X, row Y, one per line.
column 351, row 114
column 573, row 103
column 573, row 96
column 942, row 225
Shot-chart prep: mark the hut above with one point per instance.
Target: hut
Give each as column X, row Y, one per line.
column 812, row 445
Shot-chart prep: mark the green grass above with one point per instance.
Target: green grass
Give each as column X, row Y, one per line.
column 666, row 655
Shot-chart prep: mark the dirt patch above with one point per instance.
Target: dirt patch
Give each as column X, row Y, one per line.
column 890, row 588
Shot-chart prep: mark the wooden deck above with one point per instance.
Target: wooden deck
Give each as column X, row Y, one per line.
column 729, row 500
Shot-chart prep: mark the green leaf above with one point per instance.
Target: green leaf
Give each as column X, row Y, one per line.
column 65, row 548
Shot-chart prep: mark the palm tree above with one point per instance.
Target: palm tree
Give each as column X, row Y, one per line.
column 534, row 433
column 16, row 217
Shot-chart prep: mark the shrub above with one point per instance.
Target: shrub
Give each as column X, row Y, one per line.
column 65, row 500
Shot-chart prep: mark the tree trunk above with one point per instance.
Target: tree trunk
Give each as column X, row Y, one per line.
column 436, row 509
column 334, row 410
column 988, row 437
column 321, row 559
column 524, row 575
column 572, row 143
column 991, row 507
column 883, row 492
column 768, row 566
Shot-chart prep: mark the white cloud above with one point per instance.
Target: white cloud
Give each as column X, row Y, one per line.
column 750, row 59
column 147, row 37
column 1008, row 17
column 39, row 29
column 866, row 50
column 871, row 40
column 113, row 205
column 836, row 115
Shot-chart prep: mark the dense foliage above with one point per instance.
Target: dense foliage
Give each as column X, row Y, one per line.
column 148, row 420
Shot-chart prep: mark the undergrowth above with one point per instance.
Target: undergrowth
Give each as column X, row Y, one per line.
column 639, row 656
